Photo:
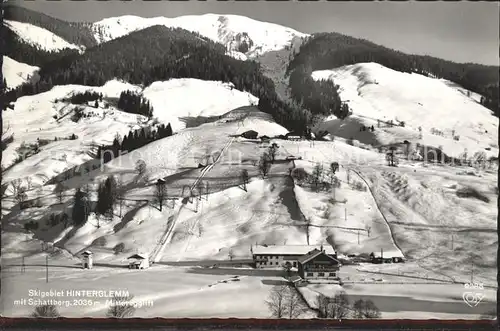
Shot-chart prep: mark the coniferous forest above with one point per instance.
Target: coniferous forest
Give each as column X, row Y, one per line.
column 133, row 103
column 134, row 140
column 324, row 51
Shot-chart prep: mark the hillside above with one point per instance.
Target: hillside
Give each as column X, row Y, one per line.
column 79, row 34
column 17, row 73
column 125, row 136
column 434, row 111
column 237, row 33
column 158, row 54
column 325, row 51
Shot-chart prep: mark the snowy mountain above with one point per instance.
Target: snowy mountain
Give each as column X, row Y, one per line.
column 17, row 73
column 238, row 33
column 444, row 111
column 53, row 131
column 39, row 37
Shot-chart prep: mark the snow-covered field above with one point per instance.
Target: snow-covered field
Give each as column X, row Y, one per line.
column 179, row 100
column 39, row 37
column 16, row 73
column 174, row 292
column 230, row 30
column 374, row 92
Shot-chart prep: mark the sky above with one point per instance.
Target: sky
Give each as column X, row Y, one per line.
column 459, row 31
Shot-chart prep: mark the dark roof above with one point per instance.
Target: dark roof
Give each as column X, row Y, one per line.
column 138, row 256
column 313, row 254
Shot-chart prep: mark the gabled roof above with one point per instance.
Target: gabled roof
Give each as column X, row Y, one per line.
column 287, row 250
column 138, row 256
column 313, row 254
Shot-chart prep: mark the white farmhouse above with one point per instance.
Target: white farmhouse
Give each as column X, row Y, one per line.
column 272, row 256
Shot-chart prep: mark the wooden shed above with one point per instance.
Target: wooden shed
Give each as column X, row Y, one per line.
column 138, row 261
column 87, row 260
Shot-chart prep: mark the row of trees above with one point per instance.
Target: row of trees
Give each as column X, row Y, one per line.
column 131, row 102
column 121, row 306
column 285, row 302
column 134, row 139
column 325, row 51
column 82, row 98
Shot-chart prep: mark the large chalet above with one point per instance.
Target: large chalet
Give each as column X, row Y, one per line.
column 273, row 256
column 318, row 265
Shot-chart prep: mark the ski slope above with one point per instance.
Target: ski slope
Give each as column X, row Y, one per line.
column 230, row 30
column 39, row 37
column 374, row 92
column 177, row 101
column 16, row 73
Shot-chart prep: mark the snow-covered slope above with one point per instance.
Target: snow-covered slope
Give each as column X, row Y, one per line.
column 39, row 37
column 178, row 100
column 43, row 116
column 17, row 73
column 374, row 92
column 231, row 30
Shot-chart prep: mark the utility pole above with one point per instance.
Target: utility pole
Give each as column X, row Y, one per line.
column 345, row 214
column 452, row 238
column 23, row 266
column 46, row 268
column 358, row 237
column 472, row 272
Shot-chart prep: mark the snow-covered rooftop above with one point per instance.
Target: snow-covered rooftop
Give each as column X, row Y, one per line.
column 387, row 254
column 289, row 249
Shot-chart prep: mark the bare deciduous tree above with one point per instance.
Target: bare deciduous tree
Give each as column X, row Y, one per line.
column 160, row 192
column 336, row 307
column 284, row 301
column 365, row 309
column 140, row 168
column 295, row 303
column 121, row 307
column 244, row 178
column 45, row 311
column 59, row 190
column 317, row 175
column 277, row 302
column 273, row 149
column 264, row 164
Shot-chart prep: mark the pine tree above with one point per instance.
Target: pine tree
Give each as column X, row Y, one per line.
column 80, row 208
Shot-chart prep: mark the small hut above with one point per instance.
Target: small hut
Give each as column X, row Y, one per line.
column 87, row 260
column 138, row 261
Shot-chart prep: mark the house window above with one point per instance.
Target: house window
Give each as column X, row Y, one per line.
column 265, row 263
column 331, row 274
column 270, row 263
column 294, row 264
column 310, row 274
column 321, row 274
